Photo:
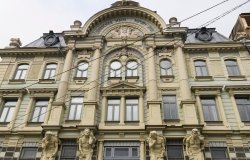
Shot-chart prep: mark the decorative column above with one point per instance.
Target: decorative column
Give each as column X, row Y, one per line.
column 100, row 150
column 141, row 109
column 221, row 109
column 12, row 122
column 154, row 105
column 48, row 109
column 91, row 103
column 188, row 105
column 198, row 101
column 122, row 110
column 142, row 150
column 58, row 106
column 28, row 111
column 104, row 109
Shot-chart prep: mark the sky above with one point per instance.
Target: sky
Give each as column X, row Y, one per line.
column 29, row 19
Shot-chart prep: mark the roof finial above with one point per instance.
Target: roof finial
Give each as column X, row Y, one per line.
column 123, row 2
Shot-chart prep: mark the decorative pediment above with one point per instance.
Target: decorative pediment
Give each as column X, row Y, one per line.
column 124, row 32
column 123, row 88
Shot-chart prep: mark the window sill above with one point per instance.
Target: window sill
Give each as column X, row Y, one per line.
column 80, row 80
column 34, row 123
column 204, row 78
column 46, row 81
column 171, row 120
column 132, row 79
column 131, row 121
column 112, row 122
column 167, row 78
column 214, row 123
column 73, row 120
column 237, row 78
column 114, row 79
column 247, row 123
column 4, row 124
column 16, row 81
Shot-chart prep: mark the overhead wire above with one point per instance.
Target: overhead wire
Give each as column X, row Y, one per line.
column 96, row 85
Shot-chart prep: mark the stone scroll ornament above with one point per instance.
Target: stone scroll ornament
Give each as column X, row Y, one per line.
column 49, row 146
column 194, row 145
column 156, row 146
column 86, row 144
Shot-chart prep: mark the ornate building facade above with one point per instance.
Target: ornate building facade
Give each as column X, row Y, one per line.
column 98, row 90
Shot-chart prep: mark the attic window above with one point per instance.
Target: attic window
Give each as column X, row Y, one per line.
column 50, row 39
column 204, row 34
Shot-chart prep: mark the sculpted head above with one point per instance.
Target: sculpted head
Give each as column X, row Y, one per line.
column 195, row 132
column 86, row 132
column 153, row 134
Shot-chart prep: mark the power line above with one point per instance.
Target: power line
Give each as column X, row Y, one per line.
column 80, row 88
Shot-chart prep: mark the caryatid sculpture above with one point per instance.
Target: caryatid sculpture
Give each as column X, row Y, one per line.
column 194, row 145
column 86, row 144
column 156, row 146
column 49, row 146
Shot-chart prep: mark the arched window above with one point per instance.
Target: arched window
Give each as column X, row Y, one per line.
column 82, row 69
column 166, row 67
column 200, row 68
column 232, row 67
column 50, row 71
column 115, row 69
column 132, row 68
column 21, row 71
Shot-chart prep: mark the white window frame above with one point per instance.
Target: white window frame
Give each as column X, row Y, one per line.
column 76, row 108
column 10, row 110
column 23, row 71
column 49, row 73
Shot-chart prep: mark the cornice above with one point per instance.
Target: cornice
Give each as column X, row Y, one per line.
column 31, row 51
column 213, row 46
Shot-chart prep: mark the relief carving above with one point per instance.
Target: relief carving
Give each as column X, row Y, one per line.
column 125, row 32
column 86, row 144
column 156, row 146
column 49, row 146
column 194, row 145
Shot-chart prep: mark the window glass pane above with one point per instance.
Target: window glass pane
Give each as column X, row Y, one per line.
column 83, row 66
column 69, row 151
column 165, row 64
column 132, row 65
column 72, row 112
column 209, row 109
column 10, row 114
column 108, row 152
column 110, row 113
column 121, row 152
column 78, row 112
column 115, row 65
column 170, row 107
column 28, row 153
column 135, row 152
column 23, row 66
column 35, row 114
column 23, row 74
column 77, row 99
column 116, row 113
column 129, row 113
column 243, row 104
column 219, row 153
column 135, row 113
column 43, row 113
column 4, row 114
column 51, row 66
column 113, row 101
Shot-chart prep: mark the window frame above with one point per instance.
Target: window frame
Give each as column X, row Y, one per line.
column 220, row 148
column 216, row 109
column 23, row 73
column 83, row 73
column 80, row 104
column 165, row 105
column 201, row 68
column 25, row 158
column 178, row 145
column 133, row 105
column 130, row 153
column 38, row 117
column 246, row 107
column 8, row 117
column 134, row 72
column 113, row 106
column 168, row 71
column 72, row 144
column 113, row 72
column 232, row 68
column 51, row 75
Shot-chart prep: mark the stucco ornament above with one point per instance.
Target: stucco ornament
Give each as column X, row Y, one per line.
column 156, row 146
column 125, row 32
column 194, row 145
column 49, row 146
column 86, row 144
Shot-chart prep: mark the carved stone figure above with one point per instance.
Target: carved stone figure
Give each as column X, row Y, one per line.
column 156, row 146
column 86, row 144
column 125, row 32
column 194, row 145
column 49, row 146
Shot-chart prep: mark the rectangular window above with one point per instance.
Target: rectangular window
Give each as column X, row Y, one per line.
column 175, row 150
column 21, row 71
column 28, row 153
column 8, row 110
column 68, row 150
column 170, row 107
column 243, row 104
column 219, row 153
column 75, row 109
column 209, row 109
column 232, row 67
column 113, row 110
column 121, row 153
column 132, row 110
column 40, row 110
column 50, row 71
column 201, row 68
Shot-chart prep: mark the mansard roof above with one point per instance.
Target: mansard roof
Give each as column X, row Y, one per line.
column 212, row 37
column 41, row 42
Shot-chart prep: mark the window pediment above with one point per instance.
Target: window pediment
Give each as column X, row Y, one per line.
column 123, row 87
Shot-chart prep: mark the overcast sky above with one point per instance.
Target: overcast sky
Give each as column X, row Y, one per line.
column 29, row 19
